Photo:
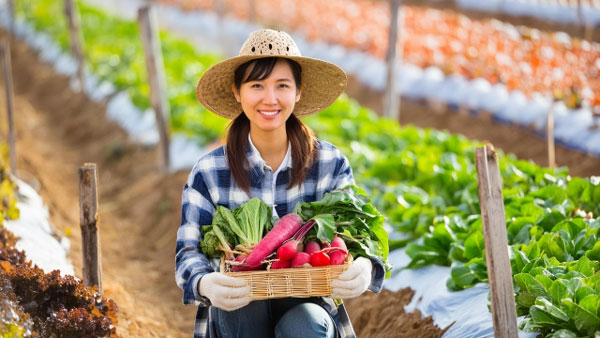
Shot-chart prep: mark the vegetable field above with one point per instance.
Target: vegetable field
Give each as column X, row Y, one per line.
column 417, row 187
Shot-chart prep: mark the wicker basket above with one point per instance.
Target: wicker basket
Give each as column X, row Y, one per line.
column 292, row 282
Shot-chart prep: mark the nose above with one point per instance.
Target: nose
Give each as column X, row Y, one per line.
column 270, row 96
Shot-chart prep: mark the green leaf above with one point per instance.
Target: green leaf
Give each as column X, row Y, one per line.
column 558, row 291
column 555, row 195
column 551, row 309
column 543, row 319
column 585, row 321
column 474, row 246
column 528, row 283
column 562, row 333
column 462, row 276
column 594, row 253
column 583, row 292
column 575, row 188
column 545, row 280
column 325, row 225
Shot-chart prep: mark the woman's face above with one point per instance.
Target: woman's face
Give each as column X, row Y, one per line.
column 268, row 103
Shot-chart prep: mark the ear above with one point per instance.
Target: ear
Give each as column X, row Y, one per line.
column 299, row 93
column 236, row 93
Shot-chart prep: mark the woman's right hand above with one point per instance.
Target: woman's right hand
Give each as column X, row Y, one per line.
column 226, row 293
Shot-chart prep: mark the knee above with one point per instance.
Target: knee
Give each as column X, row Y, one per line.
column 305, row 321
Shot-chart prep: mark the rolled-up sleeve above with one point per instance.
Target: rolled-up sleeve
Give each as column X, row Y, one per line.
column 190, row 263
column 377, row 275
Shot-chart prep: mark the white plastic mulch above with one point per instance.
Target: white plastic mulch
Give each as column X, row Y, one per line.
column 41, row 244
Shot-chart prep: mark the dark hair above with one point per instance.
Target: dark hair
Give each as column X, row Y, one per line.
column 300, row 136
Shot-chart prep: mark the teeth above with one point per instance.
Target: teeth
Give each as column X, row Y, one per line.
column 270, row 113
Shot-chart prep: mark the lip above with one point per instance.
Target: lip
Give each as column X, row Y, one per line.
column 269, row 117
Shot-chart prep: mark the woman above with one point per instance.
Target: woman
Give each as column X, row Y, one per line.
column 272, row 155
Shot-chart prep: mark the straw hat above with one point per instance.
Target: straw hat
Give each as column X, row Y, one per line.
column 322, row 82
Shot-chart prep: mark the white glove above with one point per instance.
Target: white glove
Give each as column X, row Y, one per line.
column 354, row 281
column 226, row 293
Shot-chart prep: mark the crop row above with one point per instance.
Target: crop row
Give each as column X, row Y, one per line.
column 522, row 59
column 489, row 79
column 424, row 181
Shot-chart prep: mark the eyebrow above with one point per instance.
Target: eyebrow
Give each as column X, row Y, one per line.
column 285, row 79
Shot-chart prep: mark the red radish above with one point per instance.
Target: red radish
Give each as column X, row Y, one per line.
column 245, row 267
column 311, row 246
column 287, row 251
column 325, row 245
column 338, row 243
column 319, row 259
column 285, row 228
column 240, row 258
column 301, row 259
column 281, row 264
column 337, row 257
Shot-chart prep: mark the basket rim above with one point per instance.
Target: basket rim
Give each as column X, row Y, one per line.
column 347, row 262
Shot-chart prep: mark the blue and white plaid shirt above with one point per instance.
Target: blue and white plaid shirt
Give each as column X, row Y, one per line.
column 210, row 183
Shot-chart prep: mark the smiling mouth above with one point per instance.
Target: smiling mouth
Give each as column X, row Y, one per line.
column 269, row 112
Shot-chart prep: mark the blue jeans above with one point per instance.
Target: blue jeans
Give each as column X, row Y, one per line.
column 279, row 318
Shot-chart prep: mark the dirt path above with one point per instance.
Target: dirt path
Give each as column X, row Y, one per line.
column 58, row 131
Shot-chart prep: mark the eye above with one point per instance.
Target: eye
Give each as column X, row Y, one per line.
column 256, row 85
column 284, row 85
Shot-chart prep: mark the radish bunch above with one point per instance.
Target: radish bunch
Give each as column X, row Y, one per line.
column 291, row 254
column 285, row 242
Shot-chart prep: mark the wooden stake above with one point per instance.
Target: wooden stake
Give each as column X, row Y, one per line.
column 8, row 88
column 391, row 100
column 75, row 39
column 156, row 79
column 550, row 139
column 11, row 14
column 88, row 218
column 504, row 313
column 220, row 6
column 251, row 12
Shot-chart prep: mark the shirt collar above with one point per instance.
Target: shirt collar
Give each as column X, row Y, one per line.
column 254, row 158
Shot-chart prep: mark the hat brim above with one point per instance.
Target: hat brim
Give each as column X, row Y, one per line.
column 322, row 84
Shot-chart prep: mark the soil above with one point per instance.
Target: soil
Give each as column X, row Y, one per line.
column 59, row 130
column 376, row 316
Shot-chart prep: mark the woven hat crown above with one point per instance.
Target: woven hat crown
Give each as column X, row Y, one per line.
column 268, row 42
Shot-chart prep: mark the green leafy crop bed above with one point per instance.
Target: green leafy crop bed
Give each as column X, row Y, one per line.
column 424, row 181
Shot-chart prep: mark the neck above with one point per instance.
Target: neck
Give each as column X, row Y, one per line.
column 271, row 145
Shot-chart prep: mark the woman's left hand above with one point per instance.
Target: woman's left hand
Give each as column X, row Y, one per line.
column 354, row 281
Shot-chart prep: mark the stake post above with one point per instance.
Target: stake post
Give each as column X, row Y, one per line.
column 88, row 219
column 496, row 243
column 75, row 39
column 550, row 138
column 156, row 79
column 11, row 14
column 8, row 88
column 251, row 11
column 391, row 103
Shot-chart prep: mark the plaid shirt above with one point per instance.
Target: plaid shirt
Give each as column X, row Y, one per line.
column 210, row 183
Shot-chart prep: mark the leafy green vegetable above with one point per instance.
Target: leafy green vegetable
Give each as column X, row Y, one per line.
column 354, row 218
column 245, row 225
